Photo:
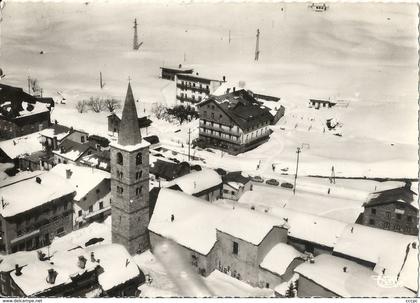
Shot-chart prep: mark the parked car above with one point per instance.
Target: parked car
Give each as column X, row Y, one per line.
column 272, row 182
column 257, row 179
column 287, row 185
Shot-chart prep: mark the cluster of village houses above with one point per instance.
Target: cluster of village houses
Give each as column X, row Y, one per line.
column 63, row 179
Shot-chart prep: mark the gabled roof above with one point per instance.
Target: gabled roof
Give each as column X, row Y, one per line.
column 197, row 181
column 15, row 95
column 242, row 108
column 169, row 170
column 278, row 259
column 395, row 195
column 72, row 150
column 16, row 147
column 235, row 176
column 56, row 130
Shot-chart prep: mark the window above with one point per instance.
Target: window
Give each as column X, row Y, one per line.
column 80, row 213
column 60, row 231
column 101, row 205
column 386, row 225
column 373, row 211
column 91, row 208
column 139, row 174
column 119, row 190
column 388, row 215
column 409, row 219
column 226, row 191
column 98, row 190
column 399, row 216
column 371, row 222
column 119, row 158
column 212, row 115
column 139, row 159
column 235, row 248
column 139, row 190
column 82, row 139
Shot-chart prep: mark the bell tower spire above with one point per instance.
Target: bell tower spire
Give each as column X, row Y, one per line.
column 129, row 133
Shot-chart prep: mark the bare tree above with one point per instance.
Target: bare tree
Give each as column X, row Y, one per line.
column 81, row 106
column 112, row 104
column 96, row 104
column 159, row 111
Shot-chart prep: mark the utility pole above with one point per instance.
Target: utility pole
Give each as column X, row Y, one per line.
column 135, row 39
column 257, row 46
column 189, row 144
column 332, row 178
column 229, row 36
column 298, row 151
column 185, row 57
column 101, row 83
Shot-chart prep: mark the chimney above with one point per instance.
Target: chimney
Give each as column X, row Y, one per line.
column 68, row 173
column 179, row 66
column 62, row 149
column 224, row 78
column 55, row 122
column 92, row 257
column 414, row 245
column 52, row 274
column 38, row 180
column 82, row 262
column 41, row 255
column 196, row 74
column 18, row 270
column 55, row 144
column 345, row 269
column 172, row 218
column 227, row 90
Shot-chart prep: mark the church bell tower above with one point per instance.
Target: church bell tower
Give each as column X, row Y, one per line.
column 130, row 182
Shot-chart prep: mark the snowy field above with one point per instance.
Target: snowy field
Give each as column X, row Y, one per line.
column 365, row 54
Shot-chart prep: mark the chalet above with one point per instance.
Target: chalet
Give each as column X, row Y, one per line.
column 169, row 73
column 271, row 102
column 318, row 103
column 234, row 122
column 78, row 272
column 234, row 185
column 328, row 276
column 192, row 89
column 394, row 209
column 21, row 113
column 205, row 184
column 114, row 121
column 28, row 224
column 92, row 201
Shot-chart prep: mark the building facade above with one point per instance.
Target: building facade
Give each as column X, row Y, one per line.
column 394, row 209
column 234, row 122
column 130, row 182
column 192, row 89
column 30, row 224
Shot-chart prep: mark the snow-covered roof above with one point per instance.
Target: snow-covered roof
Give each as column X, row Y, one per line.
column 28, row 144
column 386, row 249
column 197, row 181
column 72, row 150
column 117, row 263
column 84, row 179
column 279, row 258
column 357, row 281
column 33, row 109
column 20, row 177
column 34, row 273
column 250, row 226
column 304, row 226
column 56, row 130
column 195, row 220
column 50, row 188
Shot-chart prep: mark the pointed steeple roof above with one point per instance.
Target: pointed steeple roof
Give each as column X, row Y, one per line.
column 129, row 133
